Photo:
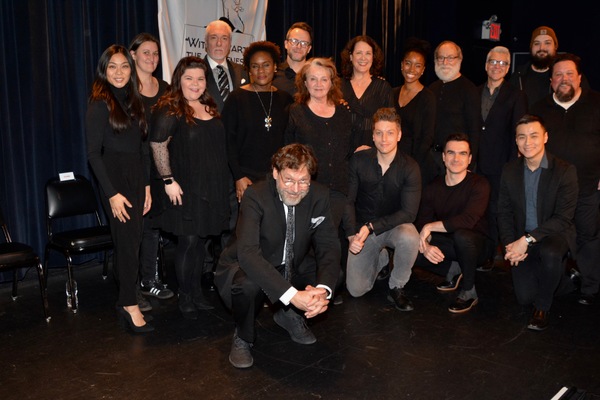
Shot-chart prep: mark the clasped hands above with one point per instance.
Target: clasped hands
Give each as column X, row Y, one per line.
column 516, row 251
column 313, row 301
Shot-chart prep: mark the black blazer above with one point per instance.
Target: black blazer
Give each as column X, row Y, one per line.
column 497, row 138
column 238, row 76
column 557, row 198
column 258, row 245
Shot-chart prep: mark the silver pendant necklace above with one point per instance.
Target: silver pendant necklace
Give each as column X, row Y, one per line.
column 268, row 119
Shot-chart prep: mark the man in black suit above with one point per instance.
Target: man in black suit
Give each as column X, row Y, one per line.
column 538, row 196
column 218, row 46
column 270, row 255
column 502, row 105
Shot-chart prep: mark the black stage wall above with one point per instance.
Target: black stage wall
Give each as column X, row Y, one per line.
column 50, row 49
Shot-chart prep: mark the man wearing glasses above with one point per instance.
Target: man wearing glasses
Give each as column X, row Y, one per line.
column 286, row 248
column 458, row 108
column 298, row 43
column 502, row 105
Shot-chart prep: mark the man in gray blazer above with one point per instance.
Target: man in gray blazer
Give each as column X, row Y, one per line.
column 538, row 195
column 218, row 45
column 297, row 268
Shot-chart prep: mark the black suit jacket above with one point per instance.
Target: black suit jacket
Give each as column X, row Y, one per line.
column 238, row 76
column 497, row 138
column 556, row 201
column 260, row 236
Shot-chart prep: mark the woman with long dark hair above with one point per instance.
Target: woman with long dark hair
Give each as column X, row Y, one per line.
column 189, row 148
column 115, row 127
column 145, row 51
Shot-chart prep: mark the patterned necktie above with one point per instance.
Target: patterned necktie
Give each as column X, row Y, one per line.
column 223, row 82
column 289, row 244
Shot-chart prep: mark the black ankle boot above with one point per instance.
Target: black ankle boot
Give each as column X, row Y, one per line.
column 187, row 307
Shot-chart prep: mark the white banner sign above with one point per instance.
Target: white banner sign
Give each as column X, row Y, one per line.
column 182, row 23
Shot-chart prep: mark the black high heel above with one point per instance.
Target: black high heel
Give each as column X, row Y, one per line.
column 127, row 321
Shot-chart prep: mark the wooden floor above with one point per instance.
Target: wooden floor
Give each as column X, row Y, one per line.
column 366, row 349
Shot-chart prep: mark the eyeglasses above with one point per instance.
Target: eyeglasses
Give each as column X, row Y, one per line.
column 302, row 183
column 295, row 42
column 500, row 63
column 441, row 59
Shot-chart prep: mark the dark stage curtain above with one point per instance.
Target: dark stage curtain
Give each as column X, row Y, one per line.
column 50, row 49
column 49, row 54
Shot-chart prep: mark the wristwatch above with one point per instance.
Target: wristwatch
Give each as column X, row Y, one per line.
column 529, row 239
column 368, row 225
column 168, row 181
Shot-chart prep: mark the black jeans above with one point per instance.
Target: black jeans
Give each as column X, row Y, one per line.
column 465, row 246
column 541, row 276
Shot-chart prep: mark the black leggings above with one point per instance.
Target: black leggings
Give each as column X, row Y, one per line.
column 189, row 259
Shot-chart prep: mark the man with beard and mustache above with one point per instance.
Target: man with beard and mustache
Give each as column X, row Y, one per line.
column 298, row 43
column 572, row 118
column 534, row 77
column 458, row 103
column 285, row 247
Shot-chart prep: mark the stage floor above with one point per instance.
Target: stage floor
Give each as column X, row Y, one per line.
column 366, row 349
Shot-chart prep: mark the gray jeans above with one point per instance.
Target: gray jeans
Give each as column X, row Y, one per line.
column 362, row 268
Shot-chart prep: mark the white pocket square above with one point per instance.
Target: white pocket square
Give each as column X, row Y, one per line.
column 314, row 222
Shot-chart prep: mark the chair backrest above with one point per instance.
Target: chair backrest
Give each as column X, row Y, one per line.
column 70, row 198
column 4, row 226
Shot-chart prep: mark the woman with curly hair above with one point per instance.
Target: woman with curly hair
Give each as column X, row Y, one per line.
column 255, row 117
column 363, row 87
column 189, row 148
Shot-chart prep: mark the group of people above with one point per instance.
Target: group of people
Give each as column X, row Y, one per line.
column 314, row 182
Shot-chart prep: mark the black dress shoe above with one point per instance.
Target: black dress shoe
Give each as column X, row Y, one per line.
column 451, row 285
column 538, row 321
column 295, row 325
column 401, row 302
column 460, row 306
column 586, row 299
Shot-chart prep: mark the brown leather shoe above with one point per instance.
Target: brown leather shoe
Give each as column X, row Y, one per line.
column 460, row 306
column 538, row 321
column 449, row 286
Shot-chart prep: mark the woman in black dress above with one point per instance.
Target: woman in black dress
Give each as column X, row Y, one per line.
column 115, row 127
column 255, row 117
column 145, row 51
column 363, row 87
column 416, row 106
column 189, row 149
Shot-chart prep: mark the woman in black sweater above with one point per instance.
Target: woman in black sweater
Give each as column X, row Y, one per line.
column 115, row 128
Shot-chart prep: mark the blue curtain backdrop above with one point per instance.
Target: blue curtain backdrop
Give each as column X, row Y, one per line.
column 50, row 49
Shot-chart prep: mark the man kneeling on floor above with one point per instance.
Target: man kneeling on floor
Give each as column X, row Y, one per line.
column 538, row 196
column 384, row 194
column 453, row 222
column 280, row 220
